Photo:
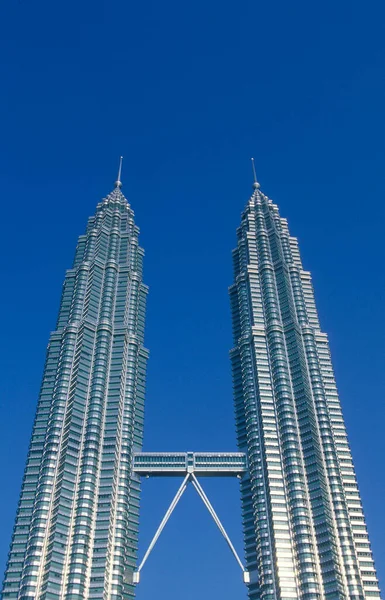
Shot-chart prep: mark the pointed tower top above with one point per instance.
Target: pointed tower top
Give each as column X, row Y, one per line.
column 256, row 185
column 118, row 183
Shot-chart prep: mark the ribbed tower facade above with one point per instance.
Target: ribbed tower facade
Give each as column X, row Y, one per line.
column 76, row 529
column 305, row 532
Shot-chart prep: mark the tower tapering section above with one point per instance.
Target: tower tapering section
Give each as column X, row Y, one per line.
column 304, row 528
column 76, row 529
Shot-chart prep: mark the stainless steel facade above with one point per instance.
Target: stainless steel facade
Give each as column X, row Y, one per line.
column 305, row 532
column 76, row 530
column 77, row 521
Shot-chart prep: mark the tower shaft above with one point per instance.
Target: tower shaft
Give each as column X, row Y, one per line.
column 305, row 533
column 77, row 520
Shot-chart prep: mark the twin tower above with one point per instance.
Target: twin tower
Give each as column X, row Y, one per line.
column 76, row 529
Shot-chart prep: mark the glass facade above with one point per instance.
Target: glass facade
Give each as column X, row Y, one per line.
column 304, row 528
column 76, row 529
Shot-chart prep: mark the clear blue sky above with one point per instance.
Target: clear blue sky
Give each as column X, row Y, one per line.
column 187, row 92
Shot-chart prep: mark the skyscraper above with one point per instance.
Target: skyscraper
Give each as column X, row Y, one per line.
column 76, row 530
column 304, row 528
column 77, row 521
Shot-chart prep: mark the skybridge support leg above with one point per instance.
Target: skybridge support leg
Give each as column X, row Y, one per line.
column 191, row 477
column 207, row 503
column 177, row 497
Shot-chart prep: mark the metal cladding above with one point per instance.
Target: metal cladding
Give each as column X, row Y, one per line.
column 305, row 532
column 77, row 521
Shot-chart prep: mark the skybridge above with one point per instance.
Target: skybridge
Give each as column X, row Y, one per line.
column 190, row 465
column 177, row 464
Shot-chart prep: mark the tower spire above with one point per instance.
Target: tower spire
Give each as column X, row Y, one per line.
column 118, row 182
column 256, row 185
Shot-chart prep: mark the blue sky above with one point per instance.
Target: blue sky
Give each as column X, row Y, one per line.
column 187, row 92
